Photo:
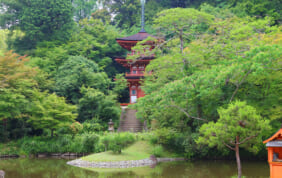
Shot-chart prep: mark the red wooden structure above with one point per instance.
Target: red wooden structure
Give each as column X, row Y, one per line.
column 137, row 67
column 274, row 148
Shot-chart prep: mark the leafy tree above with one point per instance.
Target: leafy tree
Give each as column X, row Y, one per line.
column 95, row 104
column 96, row 41
column 50, row 112
column 83, row 8
column 182, row 23
column 127, row 12
column 238, row 126
column 3, row 44
column 16, row 84
column 39, row 20
column 76, row 72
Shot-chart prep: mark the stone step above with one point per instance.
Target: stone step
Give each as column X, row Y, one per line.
column 129, row 122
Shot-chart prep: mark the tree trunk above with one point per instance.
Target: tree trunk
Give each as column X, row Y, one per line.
column 52, row 133
column 238, row 157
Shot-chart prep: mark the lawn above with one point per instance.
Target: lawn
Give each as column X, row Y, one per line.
column 137, row 151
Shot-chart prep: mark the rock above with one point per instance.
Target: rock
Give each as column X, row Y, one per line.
column 2, row 174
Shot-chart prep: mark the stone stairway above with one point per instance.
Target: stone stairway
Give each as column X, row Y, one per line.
column 128, row 121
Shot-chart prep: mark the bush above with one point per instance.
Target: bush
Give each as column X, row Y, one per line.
column 117, row 141
column 89, row 142
column 158, row 151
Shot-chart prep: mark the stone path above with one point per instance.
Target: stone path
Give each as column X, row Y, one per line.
column 121, row 164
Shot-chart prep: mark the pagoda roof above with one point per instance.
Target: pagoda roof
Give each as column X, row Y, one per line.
column 276, row 137
column 142, row 35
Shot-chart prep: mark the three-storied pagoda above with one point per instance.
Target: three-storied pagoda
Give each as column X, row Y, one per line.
column 137, row 67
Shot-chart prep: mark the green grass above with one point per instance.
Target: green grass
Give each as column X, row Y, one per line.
column 139, row 150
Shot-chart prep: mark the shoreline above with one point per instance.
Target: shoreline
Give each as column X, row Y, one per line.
column 152, row 161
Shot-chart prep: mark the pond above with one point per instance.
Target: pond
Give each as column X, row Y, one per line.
column 57, row 168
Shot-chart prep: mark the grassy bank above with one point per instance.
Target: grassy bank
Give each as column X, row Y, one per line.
column 138, row 150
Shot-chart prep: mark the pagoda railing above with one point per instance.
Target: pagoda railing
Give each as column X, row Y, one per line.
column 142, row 55
column 136, row 74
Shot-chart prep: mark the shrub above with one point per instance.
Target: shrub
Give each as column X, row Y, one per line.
column 158, row 151
column 117, row 141
column 89, row 142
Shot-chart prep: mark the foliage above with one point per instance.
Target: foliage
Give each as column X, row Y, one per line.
column 117, row 142
column 51, row 112
column 238, row 126
column 96, row 41
column 83, row 9
column 39, row 20
column 95, row 104
column 93, row 125
column 221, row 68
column 3, row 38
column 76, row 72
column 127, row 12
column 17, row 79
column 239, row 119
column 89, row 142
column 158, row 151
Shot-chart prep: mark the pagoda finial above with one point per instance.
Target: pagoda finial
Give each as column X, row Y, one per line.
column 143, row 16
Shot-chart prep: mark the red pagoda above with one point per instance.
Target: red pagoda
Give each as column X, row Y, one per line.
column 137, row 67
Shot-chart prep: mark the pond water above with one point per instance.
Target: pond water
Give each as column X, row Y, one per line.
column 57, row 168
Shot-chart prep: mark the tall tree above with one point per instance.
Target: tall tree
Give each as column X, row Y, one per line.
column 238, row 126
column 50, row 112
column 182, row 24
column 83, row 8
column 76, row 72
column 39, row 20
column 127, row 12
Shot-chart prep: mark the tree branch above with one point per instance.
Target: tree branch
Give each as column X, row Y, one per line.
column 230, row 147
column 187, row 114
column 238, row 86
column 248, row 138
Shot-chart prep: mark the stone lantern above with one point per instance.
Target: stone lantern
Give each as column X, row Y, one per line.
column 111, row 126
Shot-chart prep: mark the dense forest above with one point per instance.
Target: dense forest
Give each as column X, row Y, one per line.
column 220, row 60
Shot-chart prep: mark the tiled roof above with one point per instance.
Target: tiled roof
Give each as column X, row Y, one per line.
column 142, row 35
column 274, row 143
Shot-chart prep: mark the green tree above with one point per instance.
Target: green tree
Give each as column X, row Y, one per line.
column 50, row 112
column 127, row 12
column 83, row 8
column 238, row 126
column 95, row 104
column 182, row 23
column 96, row 41
column 39, row 20
column 76, row 72
column 17, row 81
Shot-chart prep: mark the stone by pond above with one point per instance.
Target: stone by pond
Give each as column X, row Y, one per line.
column 152, row 161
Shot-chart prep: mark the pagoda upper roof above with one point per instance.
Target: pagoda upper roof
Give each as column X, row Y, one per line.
column 276, row 137
column 142, row 35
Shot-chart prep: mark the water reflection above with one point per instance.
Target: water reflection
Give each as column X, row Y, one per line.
column 57, row 168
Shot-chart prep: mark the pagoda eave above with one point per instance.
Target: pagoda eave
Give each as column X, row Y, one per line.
column 128, row 62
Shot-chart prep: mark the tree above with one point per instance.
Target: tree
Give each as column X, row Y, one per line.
column 95, row 104
column 16, row 83
column 39, row 20
column 83, row 8
column 50, row 112
column 182, row 23
column 238, row 126
column 127, row 12
column 76, row 72
column 96, row 41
